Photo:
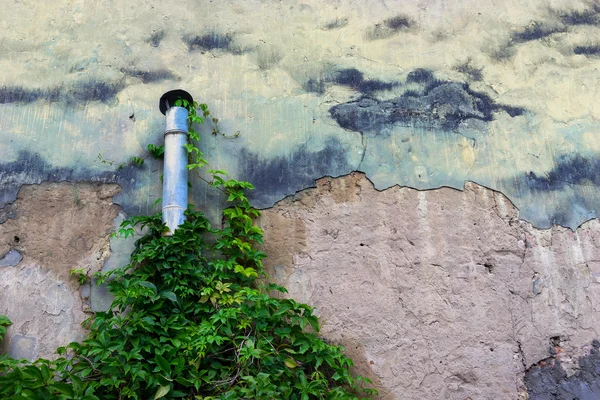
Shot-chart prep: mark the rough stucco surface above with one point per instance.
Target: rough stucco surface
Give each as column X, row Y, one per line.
column 56, row 227
column 438, row 294
column 425, row 94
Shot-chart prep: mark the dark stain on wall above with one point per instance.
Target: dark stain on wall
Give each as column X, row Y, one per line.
column 399, row 22
column 391, row 27
column 212, row 41
column 420, row 75
column 590, row 50
column 147, row 76
column 18, row 94
column 30, row 168
column 353, row 78
column 470, row 71
column 81, row 91
column 587, row 16
column 548, row 380
column 568, row 185
column 568, row 170
column 560, row 21
column 535, row 31
column 314, row 85
column 156, row 37
column 438, row 104
column 281, row 176
column 93, row 90
column 350, row 77
column 504, row 52
column 336, row 24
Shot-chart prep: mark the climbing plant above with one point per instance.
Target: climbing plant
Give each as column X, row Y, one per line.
column 193, row 317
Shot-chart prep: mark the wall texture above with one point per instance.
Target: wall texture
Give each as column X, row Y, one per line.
column 461, row 260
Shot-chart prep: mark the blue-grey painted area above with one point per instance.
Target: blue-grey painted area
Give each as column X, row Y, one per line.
column 23, row 347
column 10, row 259
column 402, row 94
column 550, row 381
column 30, row 168
column 279, row 177
column 588, row 50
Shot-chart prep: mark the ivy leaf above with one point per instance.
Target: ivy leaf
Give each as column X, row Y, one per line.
column 4, row 321
column 64, row 389
column 163, row 364
column 162, row 391
column 170, row 295
column 290, row 363
column 148, row 285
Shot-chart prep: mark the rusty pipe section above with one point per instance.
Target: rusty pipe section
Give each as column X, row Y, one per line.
column 175, row 177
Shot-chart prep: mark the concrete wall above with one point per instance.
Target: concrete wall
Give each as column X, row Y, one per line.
column 423, row 95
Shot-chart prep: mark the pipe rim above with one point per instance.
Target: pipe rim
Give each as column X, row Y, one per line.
column 168, row 99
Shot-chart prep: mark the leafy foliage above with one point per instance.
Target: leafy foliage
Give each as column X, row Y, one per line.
column 193, row 317
column 4, row 322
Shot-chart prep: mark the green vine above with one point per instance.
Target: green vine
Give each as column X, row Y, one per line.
column 193, row 317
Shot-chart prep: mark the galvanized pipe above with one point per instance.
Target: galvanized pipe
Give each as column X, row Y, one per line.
column 175, row 177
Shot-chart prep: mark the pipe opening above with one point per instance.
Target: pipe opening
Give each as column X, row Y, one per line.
column 168, row 99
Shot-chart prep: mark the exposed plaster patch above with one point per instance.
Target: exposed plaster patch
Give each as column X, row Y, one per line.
column 436, row 285
column 57, row 227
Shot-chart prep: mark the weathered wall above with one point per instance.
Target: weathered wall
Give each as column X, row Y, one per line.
column 418, row 94
column 51, row 229
column 442, row 293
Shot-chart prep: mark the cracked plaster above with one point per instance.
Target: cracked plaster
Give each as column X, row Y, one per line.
column 434, row 292
column 56, row 227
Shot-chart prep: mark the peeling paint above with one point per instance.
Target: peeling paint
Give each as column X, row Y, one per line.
column 439, row 104
column 414, row 275
column 278, row 177
column 30, row 168
column 57, row 227
column 549, row 380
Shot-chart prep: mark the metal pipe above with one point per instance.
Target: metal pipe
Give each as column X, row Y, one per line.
column 175, row 176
